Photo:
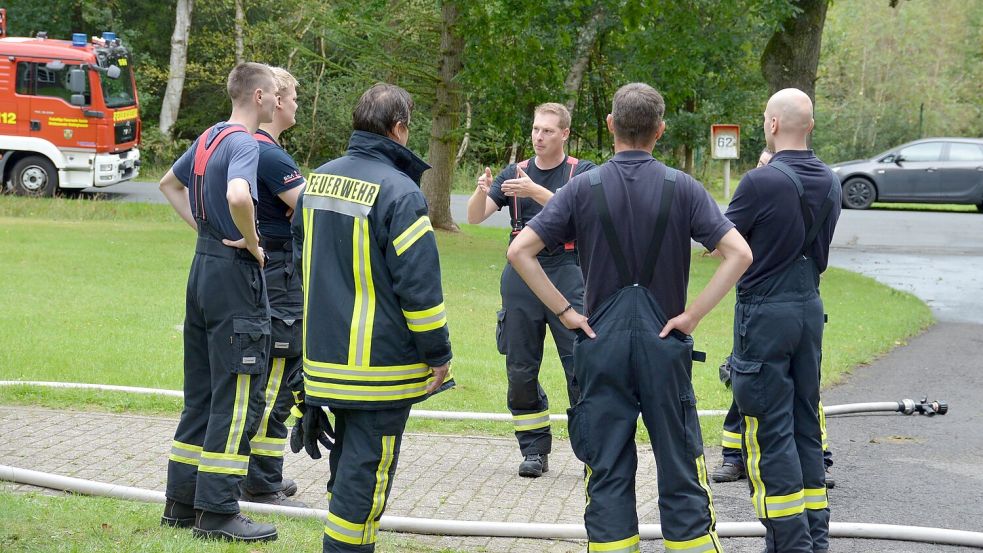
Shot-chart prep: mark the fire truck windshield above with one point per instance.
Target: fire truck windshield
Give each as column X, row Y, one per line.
column 118, row 92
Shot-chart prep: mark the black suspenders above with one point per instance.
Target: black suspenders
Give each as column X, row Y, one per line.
column 812, row 227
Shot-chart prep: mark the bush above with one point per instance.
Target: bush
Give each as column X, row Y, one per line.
column 159, row 151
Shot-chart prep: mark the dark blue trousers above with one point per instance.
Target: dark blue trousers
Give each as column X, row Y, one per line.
column 778, row 331
column 628, row 369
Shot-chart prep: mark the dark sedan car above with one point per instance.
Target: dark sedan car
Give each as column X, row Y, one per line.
column 931, row 170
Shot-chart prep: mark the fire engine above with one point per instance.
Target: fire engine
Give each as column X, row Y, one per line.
column 69, row 115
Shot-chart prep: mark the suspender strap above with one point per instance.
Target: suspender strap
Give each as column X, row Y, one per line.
column 203, row 152
column 604, row 213
column 812, row 227
column 261, row 137
column 655, row 246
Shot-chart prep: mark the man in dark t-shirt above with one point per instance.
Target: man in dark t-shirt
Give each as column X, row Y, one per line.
column 227, row 317
column 525, row 188
column 633, row 219
column 280, row 183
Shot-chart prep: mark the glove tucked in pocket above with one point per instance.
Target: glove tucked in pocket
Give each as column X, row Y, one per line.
column 250, row 344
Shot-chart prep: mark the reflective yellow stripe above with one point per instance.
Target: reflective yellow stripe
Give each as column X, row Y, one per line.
column 272, row 387
column 240, row 409
column 822, row 426
column 342, row 530
column 701, row 476
column 368, row 321
column 332, row 390
column 531, row 421
column 587, row 474
column 363, row 310
column 185, row 453
column 785, row 505
column 368, row 374
column 270, row 447
column 816, row 498
column 627, row 545
column 754, row 465
column 306, row 264
column 379, row 493
column 224, row 463
column 731, row 440
column 412, row 234
column 428, row 319
column 697, row 545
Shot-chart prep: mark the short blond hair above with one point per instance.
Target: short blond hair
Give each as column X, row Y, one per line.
column 283, row 79
column 558, row 110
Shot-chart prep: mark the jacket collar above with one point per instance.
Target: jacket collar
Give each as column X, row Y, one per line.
column 386, row 150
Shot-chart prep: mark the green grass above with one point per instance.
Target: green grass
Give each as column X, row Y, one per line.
column 924, row 207
column 89, row 524
column 94, row 292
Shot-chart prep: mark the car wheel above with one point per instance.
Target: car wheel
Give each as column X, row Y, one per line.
column 34, row 176
column 858, row 193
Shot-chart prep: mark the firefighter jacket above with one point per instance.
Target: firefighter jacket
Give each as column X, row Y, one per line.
column 374, row 318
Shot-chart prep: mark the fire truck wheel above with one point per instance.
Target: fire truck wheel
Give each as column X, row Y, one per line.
column 34, row 176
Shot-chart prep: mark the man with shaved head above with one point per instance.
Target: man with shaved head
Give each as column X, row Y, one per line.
column 787, row 210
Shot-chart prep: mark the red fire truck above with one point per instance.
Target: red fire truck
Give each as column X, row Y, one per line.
column 69, row 115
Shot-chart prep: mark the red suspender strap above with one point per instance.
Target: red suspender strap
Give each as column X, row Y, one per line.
column 572, row 161
column 203, row 152
column 260, row 137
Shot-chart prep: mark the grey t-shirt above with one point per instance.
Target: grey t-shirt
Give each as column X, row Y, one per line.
column 633, row 182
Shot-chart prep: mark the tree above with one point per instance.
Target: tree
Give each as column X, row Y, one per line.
column 179, row 59
column 791, row 58
column 240, row 22
column 446, row 114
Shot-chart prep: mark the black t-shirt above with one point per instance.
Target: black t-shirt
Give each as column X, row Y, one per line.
column 276, row 174
column 766, row 210
column 633, row 182
column 552, row 179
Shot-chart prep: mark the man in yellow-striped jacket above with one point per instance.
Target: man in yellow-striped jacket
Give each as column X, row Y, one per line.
column 375, row 332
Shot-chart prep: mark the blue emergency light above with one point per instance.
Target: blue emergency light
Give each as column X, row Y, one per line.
column 78, row 39
column 108, row 36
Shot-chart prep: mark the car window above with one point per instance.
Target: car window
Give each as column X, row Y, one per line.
column 928, row 151
column 960, row 151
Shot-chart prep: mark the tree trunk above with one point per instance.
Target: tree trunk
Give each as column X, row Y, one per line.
column 585, row 43
column 467, row 134
column 240, row 22
column 791, row 58
column 437, row 181
column 179, row 60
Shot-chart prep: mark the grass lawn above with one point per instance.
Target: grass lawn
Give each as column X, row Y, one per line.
column 97, row 525
column 94, row 292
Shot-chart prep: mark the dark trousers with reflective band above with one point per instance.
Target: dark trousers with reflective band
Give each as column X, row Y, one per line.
column 778, row 331
column 732, row 437
column 285, row 367
column 363, row 463
column 226, row 343
column 524, row 323
column 625, row 371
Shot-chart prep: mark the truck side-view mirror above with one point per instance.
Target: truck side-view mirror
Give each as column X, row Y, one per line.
column 77, row 100
column 76, row 81
column 113, row 72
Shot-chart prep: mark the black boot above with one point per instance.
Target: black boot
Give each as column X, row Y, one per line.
column 235, row 527
column 289, row 487
column 533, row 466
column 728, row 472
column 178, row 515
column 272, row 498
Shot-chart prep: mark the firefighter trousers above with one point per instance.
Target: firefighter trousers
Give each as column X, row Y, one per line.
column 522, row 332
column 363, row 464
column 778, row 330
column 226, row 343
column 628, row 369
column 732, row 437
column 285, row 372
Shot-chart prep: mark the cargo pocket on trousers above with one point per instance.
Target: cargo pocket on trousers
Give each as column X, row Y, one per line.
column 250, row 344
column 691, row 425
column 578, row 425
column 286, row 337
column 748, row 385
column 500, row 332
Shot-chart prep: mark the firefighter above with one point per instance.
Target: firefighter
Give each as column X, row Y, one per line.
column 526, row 187
column 636, row 266
column 788, row 210
column 280, row 183
column 227, row 320
column 375, row 329
column 732, row 468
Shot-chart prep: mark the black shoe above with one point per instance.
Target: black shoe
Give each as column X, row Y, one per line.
column 272, row 498
column 178, row 515
column 533, row 466
column 289, row 487
column 728, row 472
column 830, row 481
column 235, row 527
